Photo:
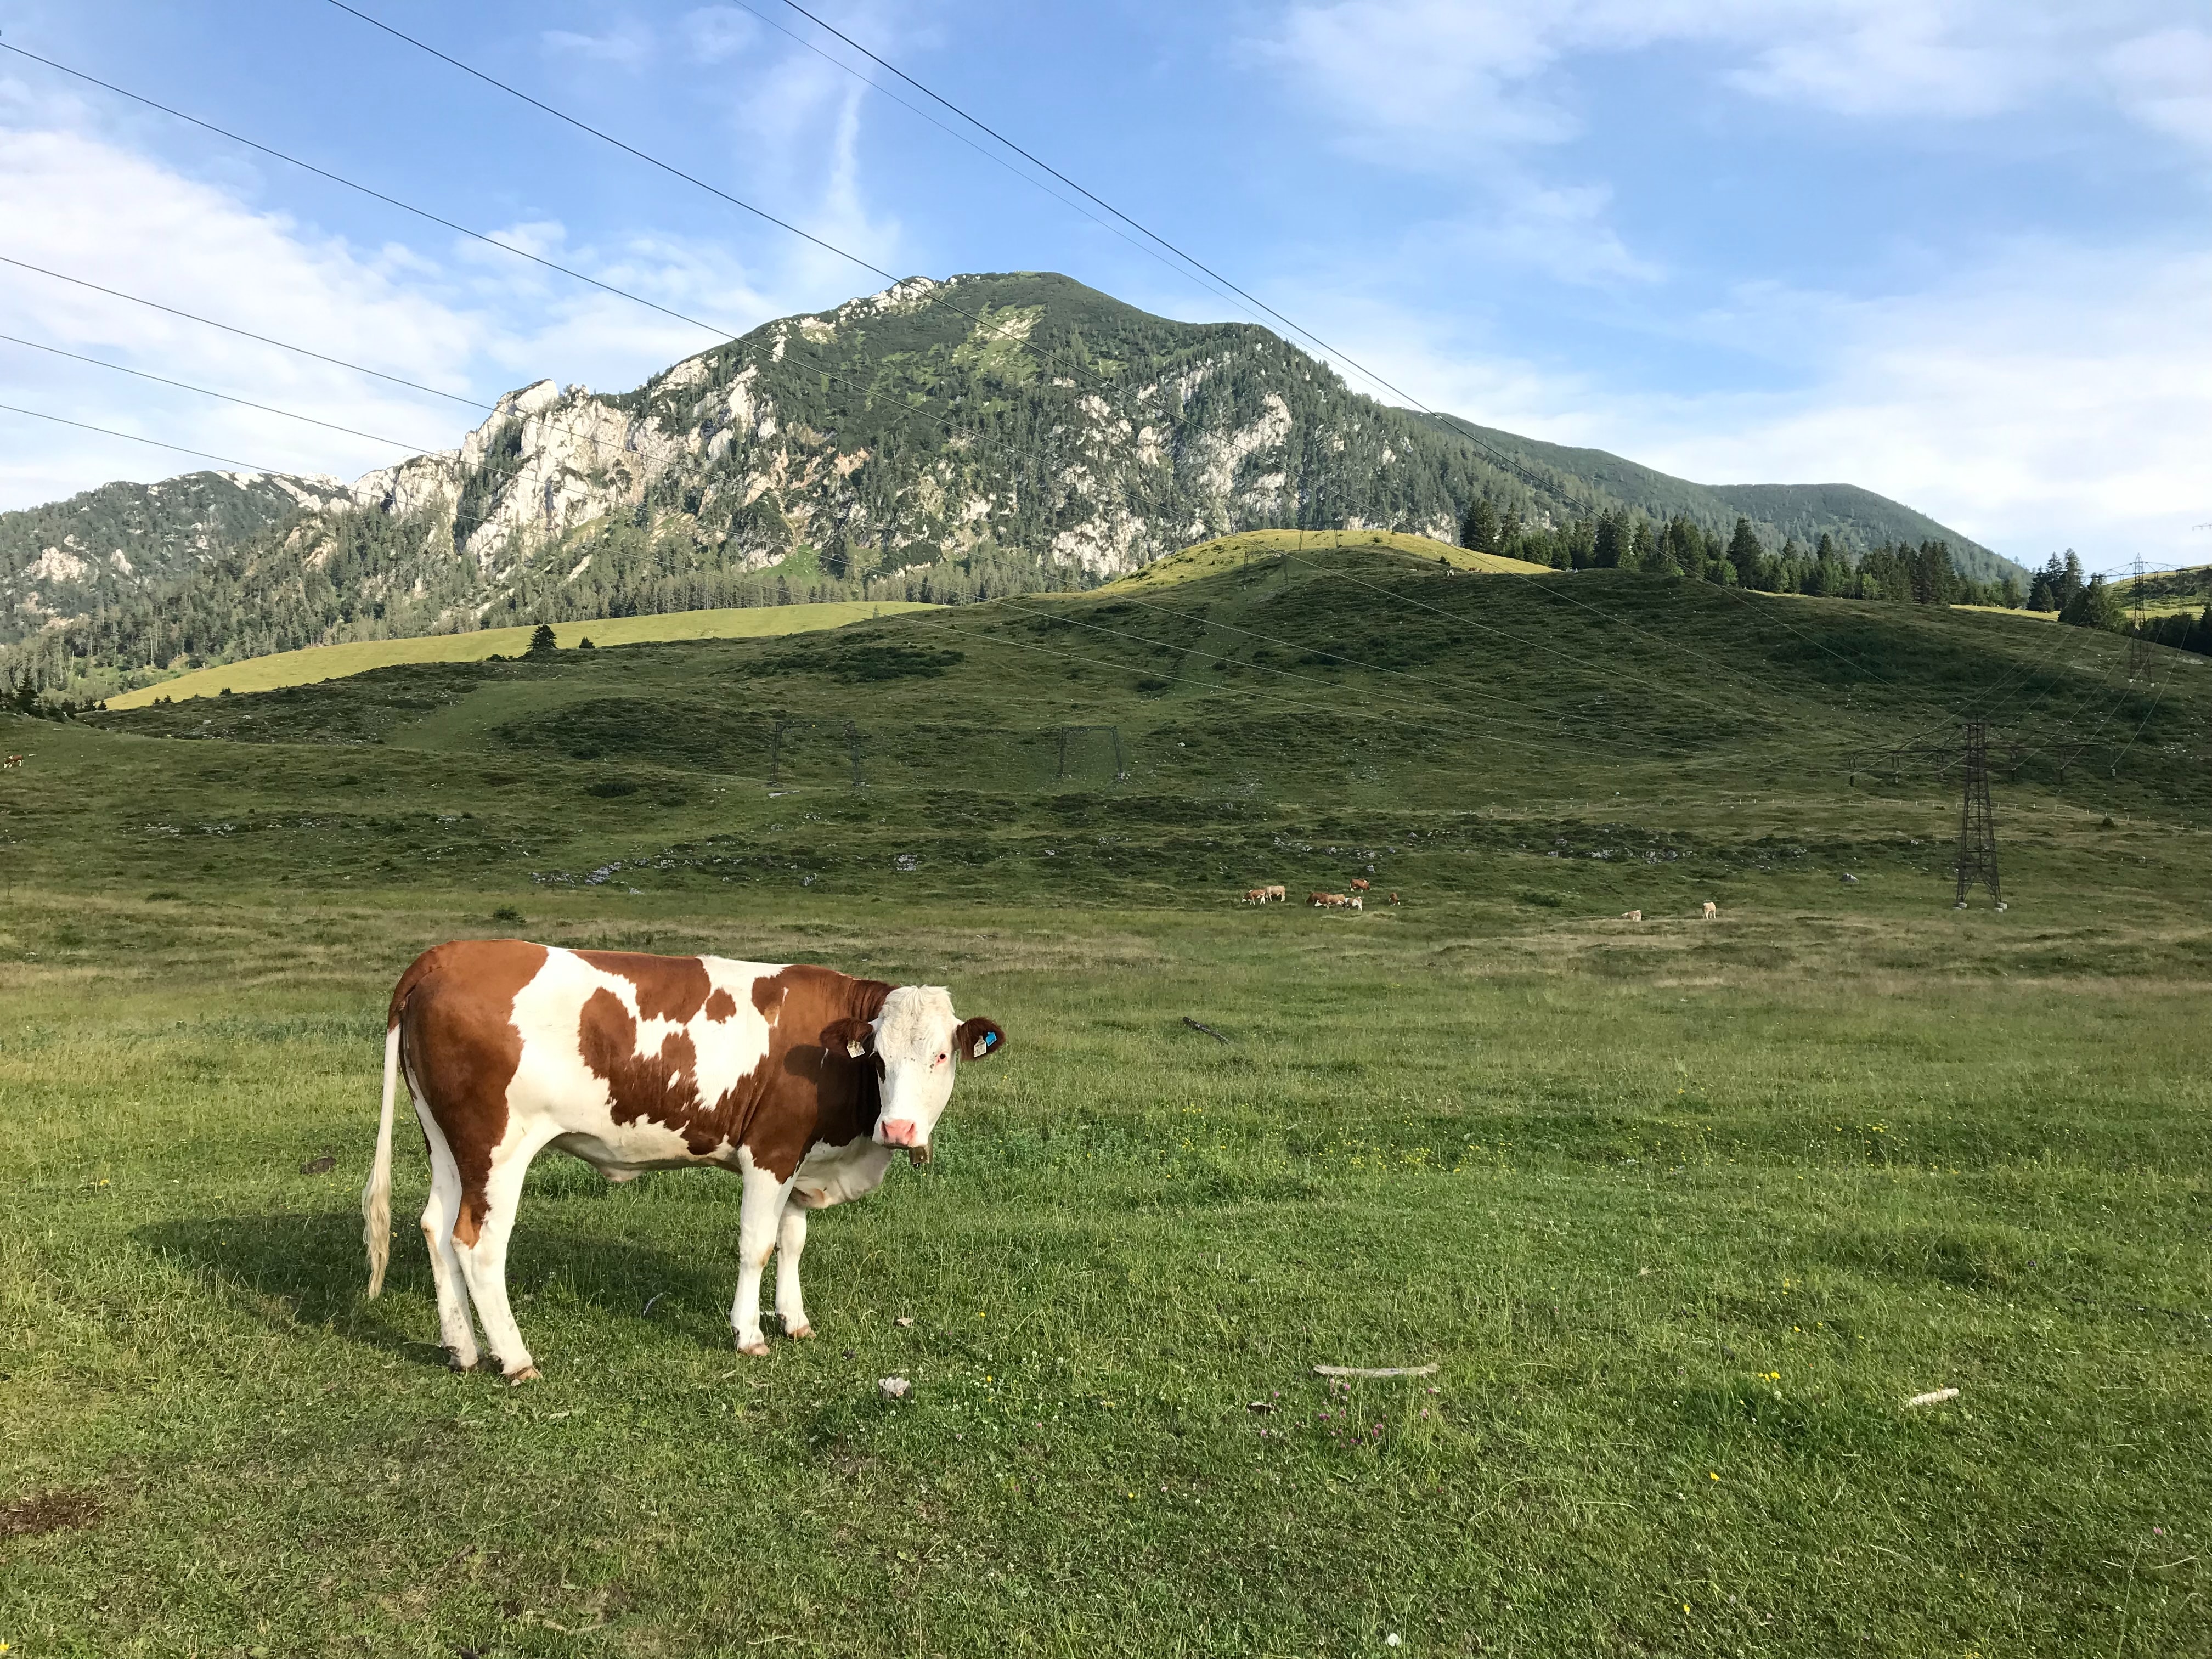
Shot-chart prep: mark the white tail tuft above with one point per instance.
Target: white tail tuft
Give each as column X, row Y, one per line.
column 376, row 1197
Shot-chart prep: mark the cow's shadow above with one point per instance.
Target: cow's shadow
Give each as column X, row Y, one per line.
column 299, row 1273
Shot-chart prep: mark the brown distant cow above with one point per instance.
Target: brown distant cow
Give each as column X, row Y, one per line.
column 802, row 1080
column 1277, row 892
column 1360, row 883
column 11, row 762
column 1394, row 899
column 1319, row 900
column 1255, row 895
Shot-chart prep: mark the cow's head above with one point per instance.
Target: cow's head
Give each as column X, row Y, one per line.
column 917, row 1042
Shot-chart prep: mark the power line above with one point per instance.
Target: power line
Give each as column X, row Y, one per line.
column 650, row 160
column 390, row 201
column 243, row 403
column 132, row 437
column 992, row 157
column 721, row 332
column 245, row 334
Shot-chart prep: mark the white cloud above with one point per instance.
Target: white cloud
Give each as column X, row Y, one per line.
column 627, row 44
column 467, row 318
column 2164, row 80
column 2058, row 397
column 1485, row 71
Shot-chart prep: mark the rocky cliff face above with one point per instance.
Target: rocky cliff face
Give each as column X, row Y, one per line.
column 935, row 439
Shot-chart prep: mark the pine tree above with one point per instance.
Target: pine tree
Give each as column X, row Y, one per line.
column 2095, row 606
column 1479, row 532
column 542, row 642
column 1745, row 553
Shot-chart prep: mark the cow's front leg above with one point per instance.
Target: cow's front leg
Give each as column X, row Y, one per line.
column 790, row 1243
column 759, row 1216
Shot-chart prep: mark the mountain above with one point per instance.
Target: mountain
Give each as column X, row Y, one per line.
column 95, row 550
column 939, row 440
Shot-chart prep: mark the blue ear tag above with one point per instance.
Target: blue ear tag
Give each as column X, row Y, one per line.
column 989, row 1037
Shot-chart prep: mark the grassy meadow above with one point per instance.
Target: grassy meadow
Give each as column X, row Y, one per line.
column 1684, row 1213
column 330, row 662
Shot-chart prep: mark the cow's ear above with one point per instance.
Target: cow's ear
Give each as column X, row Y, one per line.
column 848, row 1037
column 978, row 1039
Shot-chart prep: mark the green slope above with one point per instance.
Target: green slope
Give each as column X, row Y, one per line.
column 1249, row 705
column 330, row 662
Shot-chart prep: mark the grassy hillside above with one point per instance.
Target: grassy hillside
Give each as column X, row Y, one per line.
column 1236, row 553
column 1685, row 1213
column 330, row 662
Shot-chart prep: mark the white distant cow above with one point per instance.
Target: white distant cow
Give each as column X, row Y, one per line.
column 800, row 1080
column 1711, row 910
column 1632, row 915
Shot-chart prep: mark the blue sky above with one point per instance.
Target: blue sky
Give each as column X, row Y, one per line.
column 1956, row 251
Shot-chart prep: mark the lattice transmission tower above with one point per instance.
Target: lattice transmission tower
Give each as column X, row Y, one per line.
column 1978, row 829
column 2141, row 658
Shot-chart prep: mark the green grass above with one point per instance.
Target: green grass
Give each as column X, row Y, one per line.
column 330, row 662
column 1683, row 1211
column 1226, row 553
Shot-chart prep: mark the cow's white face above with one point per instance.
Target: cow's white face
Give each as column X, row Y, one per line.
column 919, row 1043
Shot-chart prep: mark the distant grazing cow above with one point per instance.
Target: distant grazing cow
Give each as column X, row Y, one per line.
column 1319, row 900
column 1355, row 902
column 1277, row 892
column 1711, row 910
column 1360, row 883
column 11, row 762
column 1394, row 899
column 1632, row 915
column 803, row 1081
column 1255, row 895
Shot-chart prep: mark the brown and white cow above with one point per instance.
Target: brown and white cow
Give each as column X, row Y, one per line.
column 1360, row 885
column 803, row 1080
column 1277, row 892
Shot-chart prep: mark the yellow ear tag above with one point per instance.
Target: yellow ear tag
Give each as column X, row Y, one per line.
column 856, row 1049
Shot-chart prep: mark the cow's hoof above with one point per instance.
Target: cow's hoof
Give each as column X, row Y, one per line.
column 527, row 1374
column 804, row 1333
column 757, row 1347
column 455, row 1363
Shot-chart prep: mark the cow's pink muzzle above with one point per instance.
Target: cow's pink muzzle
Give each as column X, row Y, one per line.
column 899, row 1131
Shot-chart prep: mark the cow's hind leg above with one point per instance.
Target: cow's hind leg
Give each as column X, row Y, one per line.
column 790, row 1243
column 454, row 1328
column 486, row 1225
column 760, row 1215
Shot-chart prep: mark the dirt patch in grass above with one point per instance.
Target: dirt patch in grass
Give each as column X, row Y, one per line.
column 48, row 1512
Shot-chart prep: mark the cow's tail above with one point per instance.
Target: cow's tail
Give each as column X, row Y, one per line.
column 376, row 1197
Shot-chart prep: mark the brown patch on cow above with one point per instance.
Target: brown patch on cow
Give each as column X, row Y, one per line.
column 460, row 1045
column 663, row 1087
column 800, row 1094
column 672, row 988
column 805, row 1094
column 720, row 1006
column 48, row 1512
